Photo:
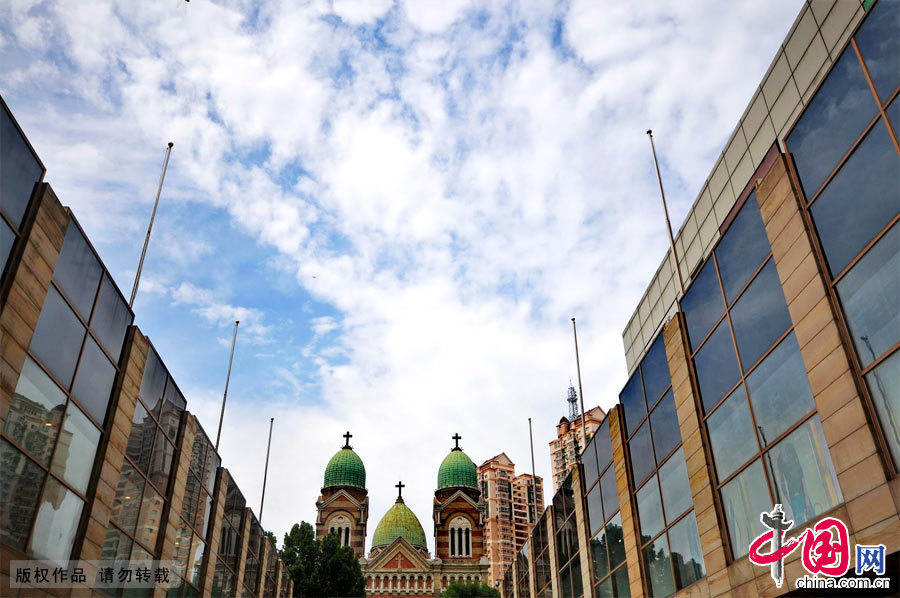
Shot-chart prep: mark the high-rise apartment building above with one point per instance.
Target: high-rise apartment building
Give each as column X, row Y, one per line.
column 99, row 457
column 512, row 503
column 773, row 377
column 570, row 440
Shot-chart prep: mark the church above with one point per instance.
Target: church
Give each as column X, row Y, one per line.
column 399, row 564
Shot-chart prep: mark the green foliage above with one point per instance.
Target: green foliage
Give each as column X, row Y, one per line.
column 459, row 589
column 272, row 539
column 321, row 567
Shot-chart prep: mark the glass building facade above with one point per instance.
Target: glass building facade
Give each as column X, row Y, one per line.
column 774, row 376
column 99, row 457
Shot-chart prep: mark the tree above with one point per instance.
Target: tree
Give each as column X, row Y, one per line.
column 272, row 539
column 459, row 589
column 321, row 567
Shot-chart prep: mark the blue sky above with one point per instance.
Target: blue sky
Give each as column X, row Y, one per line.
column 403, row 203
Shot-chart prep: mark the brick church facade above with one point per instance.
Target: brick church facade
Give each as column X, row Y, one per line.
column 399, row 564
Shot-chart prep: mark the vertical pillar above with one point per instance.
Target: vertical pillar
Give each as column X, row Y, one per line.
column 630, row 531
column 581, row 527
column 242, row 552
column 215, row 524
column 709, row 526
column 551, row 543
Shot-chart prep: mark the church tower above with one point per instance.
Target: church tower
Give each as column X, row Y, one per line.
column 343, row 506
column 458, row 510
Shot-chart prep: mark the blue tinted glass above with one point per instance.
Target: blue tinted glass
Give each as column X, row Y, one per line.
column 742, row 249
column 649, row 510
column 589, row 460
column 702, row 304
column 642, row 462
column 869, row 294
column 655, row 370
column 893, row 114
column 743, row 499
column 859, row 201
column 731, row 434
column 57, row 338
column 111, row 318
column 879, row 45
column 676, row 490
column 603, row 443
column 832, row 121
column 77, row 271
column 19, row 170
column 7, row 239
column 716, row 365
column 802, row 476
column 93, row 384
column 610, row 492
column 595, row 508
column 687, row 556
column 760, row 316
column 632, row 399
column 779, row 390
column 884, row 386
column 664, row 423
column 659, row 568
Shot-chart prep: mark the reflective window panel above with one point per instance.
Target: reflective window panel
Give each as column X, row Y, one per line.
column 655, row 371
column 664, row 422
column 649, row 510
column 642, row 461
column 760, row 316
column 632, row 399
column 803, row 478
column 57, row 521
column 859, row 201
column 884, row 388
column 615, row 540
column 57, row 338
column 19, row 494
column 659, row 569
column 76, row 449
column 77, row 271
column 832, row 121
column 610, row 492
column 35, row 412
column 702, row 304
column 742, row 249
column 94, row 382
column 716, row 365
column 731, row 434
column 879, row 45
column 111, row 318
column 743, row 499
column 869, row 294
column 19, row 171
column 687, row 556
column 675, row 487
column 779, row 390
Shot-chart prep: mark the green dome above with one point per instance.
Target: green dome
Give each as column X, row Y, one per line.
column 399, row 521
column 345, row 469
column 457, row 470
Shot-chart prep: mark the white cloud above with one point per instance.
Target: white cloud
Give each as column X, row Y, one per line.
column 455, row 188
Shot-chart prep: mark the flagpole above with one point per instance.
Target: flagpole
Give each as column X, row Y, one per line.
column 666, row 212
column 266, row 471
column 580, row 390
column 137, row 276
column 227, row 380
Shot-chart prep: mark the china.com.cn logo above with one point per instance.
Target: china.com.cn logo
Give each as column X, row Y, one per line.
column 825, row 546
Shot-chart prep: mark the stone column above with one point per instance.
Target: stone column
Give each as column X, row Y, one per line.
column 242, row 552
column 630, row 531
column 551, row 543
column 709, row 526
column 215, row 524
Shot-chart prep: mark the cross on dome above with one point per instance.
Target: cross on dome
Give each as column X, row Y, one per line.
column 347, row 438
column 400, row 486
column 456, row 437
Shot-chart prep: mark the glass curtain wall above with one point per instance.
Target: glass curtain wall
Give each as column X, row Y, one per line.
column 227, row 564
column 20, row 170
column 144, row 485
column 541, row 545
column 567, row 557
column 251, row 564
column 669, row 539
column 765, row 437
column 610, row 575
column 523, row 577
column 56, row 418
column 846, row 156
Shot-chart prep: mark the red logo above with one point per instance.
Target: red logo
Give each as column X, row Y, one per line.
column 826, row 548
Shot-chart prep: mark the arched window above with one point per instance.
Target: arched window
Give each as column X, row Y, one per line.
column 460, row 537
column 341, row 526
